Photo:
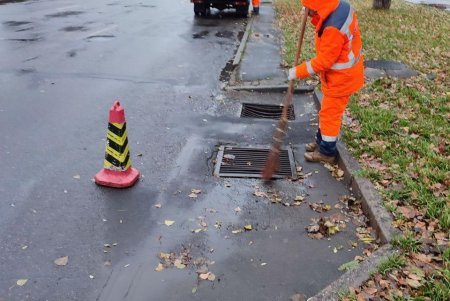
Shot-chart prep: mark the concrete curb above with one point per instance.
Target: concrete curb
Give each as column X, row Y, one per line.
column 270, row 88
column 380, row 219
column 355, row 277
column 240, row 51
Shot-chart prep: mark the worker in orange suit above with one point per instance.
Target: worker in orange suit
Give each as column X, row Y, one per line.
column 339, row 62
column 255, row 4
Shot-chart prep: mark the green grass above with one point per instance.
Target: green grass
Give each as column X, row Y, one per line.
column 406, row 242
column 394, row 262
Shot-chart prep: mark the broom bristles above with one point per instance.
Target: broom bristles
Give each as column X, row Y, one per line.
column 272, row 163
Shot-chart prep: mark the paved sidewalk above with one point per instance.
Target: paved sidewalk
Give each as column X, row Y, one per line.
column 262, row 58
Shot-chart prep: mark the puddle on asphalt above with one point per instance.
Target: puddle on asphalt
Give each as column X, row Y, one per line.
column 12, row 1
column 26, row 40
column 140, row 5
column 24, row 29
column 65, row 14
column 200, row 35
column 16, row 23
column 73, row 28
column 72, row 53
column 224, row 34
column 24, row 71
column 100, row 38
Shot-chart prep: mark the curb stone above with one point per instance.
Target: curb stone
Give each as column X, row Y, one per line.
column 243, row 43
column 355, row 277
column 380, row 219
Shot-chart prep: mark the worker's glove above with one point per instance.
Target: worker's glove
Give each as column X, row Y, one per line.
column 292, row 74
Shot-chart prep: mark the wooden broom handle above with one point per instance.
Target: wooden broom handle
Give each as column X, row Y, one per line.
column 299, row 47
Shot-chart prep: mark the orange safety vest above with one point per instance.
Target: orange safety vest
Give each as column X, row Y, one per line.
column 338, row 60
column 255, row 3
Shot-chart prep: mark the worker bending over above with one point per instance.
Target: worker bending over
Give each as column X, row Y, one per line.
column 339, row 62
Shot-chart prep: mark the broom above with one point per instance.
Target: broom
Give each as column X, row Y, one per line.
column 273, row 160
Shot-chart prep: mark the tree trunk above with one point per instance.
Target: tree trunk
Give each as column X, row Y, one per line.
column 381, row 4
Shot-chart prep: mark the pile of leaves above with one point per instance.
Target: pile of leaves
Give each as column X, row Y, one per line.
column 399, row 131
column 184, row 260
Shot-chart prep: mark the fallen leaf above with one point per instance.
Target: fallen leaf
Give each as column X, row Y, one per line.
column 370, row 291
column 77, row 177
column 408, row 212
column 24, row 247
column 204, row 276
column 91, row 276
column 260, row 194
column 237, row 209
column 127, row 265
column 248, row 227
column 299, row 198
column 178, row 264
column 413, row 283
column 236, row 231
column 196, row 191
column 197, row 230
column 159, row 268
column 157, row 205
column 193, row 196
column 169, row 222
column 298, row 297
column 211, row 277
column 62, row 261
column 348, row 265
column 21, row 282
column 194, row 289
column 263, row 264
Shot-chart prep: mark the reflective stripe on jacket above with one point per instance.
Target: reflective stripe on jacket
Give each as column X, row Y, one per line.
column 338, row 48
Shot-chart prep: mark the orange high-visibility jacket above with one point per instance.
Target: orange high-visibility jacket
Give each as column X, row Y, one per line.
column 338, row 60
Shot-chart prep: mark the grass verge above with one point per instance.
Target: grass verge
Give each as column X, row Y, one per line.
column 399, row 131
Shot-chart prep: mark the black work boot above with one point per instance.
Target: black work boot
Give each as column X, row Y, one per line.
column 256, row 10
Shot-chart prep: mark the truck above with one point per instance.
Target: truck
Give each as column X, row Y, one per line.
column 202, row 7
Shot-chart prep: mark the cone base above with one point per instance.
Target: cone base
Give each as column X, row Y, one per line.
column 117, row 179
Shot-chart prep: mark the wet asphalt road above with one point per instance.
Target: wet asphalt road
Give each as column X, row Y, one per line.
column 62, row 64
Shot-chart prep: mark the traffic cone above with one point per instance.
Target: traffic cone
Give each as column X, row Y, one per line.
column 117, row 171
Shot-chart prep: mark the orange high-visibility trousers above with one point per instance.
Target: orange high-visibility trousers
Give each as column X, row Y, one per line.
column 255, row 3
column 330, row 116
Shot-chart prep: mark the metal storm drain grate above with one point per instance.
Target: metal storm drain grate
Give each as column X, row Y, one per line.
column 236, row 162
column 251, row 110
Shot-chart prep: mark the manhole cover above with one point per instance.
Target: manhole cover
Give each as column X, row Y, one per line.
column 251, row 110
column 384, row 65
column 237, row 162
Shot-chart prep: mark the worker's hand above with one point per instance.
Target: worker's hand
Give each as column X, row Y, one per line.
column 292, row 74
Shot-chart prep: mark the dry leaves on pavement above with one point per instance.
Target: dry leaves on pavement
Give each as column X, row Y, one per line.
column 62, row 261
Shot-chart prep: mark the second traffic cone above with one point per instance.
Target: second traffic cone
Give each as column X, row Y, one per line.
column 117, row 171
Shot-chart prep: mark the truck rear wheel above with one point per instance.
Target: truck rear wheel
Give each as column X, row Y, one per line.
column 200, row 9
column 242, row 11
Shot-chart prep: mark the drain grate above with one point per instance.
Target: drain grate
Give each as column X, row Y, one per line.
column 251, row 110
column 236, row 162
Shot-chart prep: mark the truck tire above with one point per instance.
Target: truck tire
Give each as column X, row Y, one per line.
column 200, row 9
column 242, row 11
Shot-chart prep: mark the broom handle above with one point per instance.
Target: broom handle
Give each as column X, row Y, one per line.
column 287, row 101
column 290, row 92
